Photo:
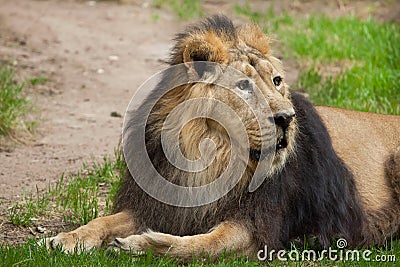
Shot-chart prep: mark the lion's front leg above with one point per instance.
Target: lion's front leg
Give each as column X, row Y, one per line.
column 94, row 234
column 229, row 237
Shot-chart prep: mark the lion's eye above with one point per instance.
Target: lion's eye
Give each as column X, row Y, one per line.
column 277, row 81
column 244, row 85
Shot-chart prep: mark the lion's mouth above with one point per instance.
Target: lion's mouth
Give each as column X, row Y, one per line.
column 281, row 143
column 256, row 155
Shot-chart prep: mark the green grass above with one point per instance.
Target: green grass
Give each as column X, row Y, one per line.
column 76, row 197
column 29, row 254
column 365, row 53
column 13, row 104
column 185, row 9
column 370, row 80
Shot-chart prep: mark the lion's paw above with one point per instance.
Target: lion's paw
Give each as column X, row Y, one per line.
column 134, row 244
column 68, row 243
column 163, row 241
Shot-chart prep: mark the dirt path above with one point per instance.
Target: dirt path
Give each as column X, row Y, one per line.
column 96, row 57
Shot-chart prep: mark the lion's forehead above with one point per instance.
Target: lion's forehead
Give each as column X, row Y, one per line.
column 252, row 64
column 252, row 47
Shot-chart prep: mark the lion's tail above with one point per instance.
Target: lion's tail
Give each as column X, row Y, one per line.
column 393, row 171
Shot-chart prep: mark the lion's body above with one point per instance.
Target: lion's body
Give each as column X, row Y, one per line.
column 349, row 189
column 366, row 141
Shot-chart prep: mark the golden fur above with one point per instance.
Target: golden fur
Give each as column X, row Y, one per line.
column 363, row 141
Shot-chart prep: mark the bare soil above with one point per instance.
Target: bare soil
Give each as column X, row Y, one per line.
column 95, row 55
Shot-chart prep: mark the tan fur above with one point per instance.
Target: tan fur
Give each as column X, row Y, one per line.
column 254, row 37
column 363, row 140
column 208, row 44
column 95, row 233
column 225, row 237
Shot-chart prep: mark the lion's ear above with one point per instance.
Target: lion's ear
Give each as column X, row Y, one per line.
column 205, row 47
column 253, row 36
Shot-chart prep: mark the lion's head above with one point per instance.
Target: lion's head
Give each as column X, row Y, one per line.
column 246, row 49
column 222, row 109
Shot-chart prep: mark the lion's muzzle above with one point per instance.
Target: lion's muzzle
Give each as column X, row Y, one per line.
column 283, row 119
column 282, row 122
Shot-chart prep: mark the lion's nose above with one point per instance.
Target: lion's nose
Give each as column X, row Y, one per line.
column 284, row 118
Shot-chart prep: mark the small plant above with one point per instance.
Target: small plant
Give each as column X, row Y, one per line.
column 185, row 9
column 13, row 104
column 38, row 80
column 21, row 215
column 155, row 17
column 268, row 20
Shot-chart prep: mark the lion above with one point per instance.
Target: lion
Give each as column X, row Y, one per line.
column 335, row 174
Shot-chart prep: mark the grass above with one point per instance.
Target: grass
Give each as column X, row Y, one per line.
column 77, row 197
column 13, row 104
column 29, row 254
column 38, row 80
column 345, row 62
column 185, row 9
column 368, row 53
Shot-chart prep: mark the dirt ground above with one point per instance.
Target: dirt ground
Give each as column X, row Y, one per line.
column 95, row 55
